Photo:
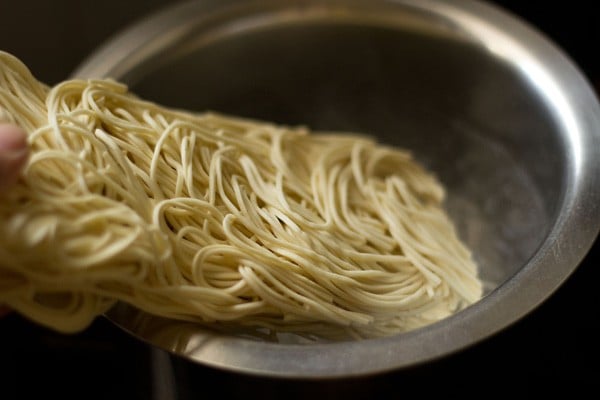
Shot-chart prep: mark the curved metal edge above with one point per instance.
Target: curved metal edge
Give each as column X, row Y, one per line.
column 570, row 238
column 127, row 47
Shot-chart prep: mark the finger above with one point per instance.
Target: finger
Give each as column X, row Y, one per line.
column 13, row 153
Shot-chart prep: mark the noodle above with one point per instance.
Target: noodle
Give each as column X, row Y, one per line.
column 217, row 219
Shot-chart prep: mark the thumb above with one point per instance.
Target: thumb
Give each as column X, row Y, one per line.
column 13, row 154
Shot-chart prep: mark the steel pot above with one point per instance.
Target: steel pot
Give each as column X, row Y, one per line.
column 496, row 110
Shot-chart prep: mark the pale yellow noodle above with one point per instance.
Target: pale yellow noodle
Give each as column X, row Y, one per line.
column 213, row 218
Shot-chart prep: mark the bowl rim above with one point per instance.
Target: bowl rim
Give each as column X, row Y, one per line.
column 566, row 92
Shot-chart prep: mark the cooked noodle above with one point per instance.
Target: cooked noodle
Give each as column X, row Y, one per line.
column 213, row 218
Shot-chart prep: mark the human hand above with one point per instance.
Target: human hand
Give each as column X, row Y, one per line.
column 13, row 154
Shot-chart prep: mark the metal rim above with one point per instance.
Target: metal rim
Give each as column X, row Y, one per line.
column 565, row 90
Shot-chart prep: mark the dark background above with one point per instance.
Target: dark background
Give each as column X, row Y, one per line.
column 556, row 345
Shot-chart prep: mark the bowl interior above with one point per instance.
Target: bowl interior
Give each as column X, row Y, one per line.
column 471, row 118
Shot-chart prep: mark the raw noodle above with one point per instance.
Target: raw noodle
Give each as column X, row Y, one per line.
column 213, row 218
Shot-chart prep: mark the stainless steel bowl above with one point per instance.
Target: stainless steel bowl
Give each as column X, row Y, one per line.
column 498, row 112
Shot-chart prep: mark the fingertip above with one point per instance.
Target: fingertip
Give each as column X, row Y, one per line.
column 12, row 138
column 13, row 153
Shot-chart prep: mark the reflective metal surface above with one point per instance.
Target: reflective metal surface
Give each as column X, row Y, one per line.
column 505, row 120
